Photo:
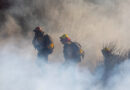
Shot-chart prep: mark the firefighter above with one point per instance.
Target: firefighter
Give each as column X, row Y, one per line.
column 72, row 50
column 43, row 43
column 110, row 61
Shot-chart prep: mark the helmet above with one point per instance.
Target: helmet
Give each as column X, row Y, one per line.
column 107, row 49
column 38, row 29
column 65, row 36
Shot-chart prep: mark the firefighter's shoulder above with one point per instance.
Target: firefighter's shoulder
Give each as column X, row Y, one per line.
column 76, row 44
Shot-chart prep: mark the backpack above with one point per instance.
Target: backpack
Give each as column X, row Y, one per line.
column 44, row 43
column 48, row 43
column 79, row 48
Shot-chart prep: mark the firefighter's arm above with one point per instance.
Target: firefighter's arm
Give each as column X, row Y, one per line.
column 33, row 42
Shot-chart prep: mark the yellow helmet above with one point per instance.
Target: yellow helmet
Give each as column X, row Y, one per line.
column 64, row 36
column 107, row 49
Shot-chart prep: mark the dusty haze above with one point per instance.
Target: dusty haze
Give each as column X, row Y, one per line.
column 92, row 23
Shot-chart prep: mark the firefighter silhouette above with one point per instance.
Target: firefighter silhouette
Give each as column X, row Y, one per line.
column 43, row 43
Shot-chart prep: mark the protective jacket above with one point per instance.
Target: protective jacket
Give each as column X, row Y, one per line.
column 44, row 45
column 73, row 52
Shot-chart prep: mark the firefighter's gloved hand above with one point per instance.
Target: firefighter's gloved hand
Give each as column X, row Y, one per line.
column 82, row 53
column 51, row 46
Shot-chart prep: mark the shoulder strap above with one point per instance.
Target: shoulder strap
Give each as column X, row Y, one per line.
column 76, row 44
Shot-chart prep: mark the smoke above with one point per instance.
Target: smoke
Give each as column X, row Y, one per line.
column 92, row 23
column 19, row 71
column 120, row 78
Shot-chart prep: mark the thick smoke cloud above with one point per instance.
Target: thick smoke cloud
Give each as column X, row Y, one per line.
column 92, row 23
column 19, row 71
column 89, row 22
